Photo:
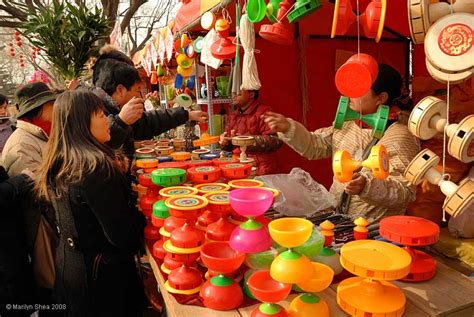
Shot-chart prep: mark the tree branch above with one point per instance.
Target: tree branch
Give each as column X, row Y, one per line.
column 14, row 12
column 135, row 5
column 10, row 24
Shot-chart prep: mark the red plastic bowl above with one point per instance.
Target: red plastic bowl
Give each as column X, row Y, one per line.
column 266, row 289
column 220, row 257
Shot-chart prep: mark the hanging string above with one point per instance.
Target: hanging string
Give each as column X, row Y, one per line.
column 250, row 80
column 445, row 132
column 287, row 12
column 358, row 100
column 226, row 15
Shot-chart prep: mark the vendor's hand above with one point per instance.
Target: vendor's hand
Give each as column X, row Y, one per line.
column 356, row 185
column 276, row 122
column 224, row 139
column 199, row 116
column 132, row 111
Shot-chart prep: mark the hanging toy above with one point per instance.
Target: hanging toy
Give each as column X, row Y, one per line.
column 256, row 10
column 223, row 48
column 372, row 20
column 207, row 20
column 250, row 80
column 159, row 70
column 280, row 32
column 343, row 165
column 458, row 197
column 154, row 77
column 198, row 44
column 303, row 8
column 422, row 14
column 449, row 46
column 184, row 100
column 355, row 77
column 185, row 67
column 272, row 9
column 429, row 118
column 377, row 121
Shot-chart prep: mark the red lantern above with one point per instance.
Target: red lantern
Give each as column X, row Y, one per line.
column 22, row 65
column 17, row 33
column 12, row 54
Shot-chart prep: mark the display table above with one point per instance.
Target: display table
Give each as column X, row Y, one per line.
column 449, row 293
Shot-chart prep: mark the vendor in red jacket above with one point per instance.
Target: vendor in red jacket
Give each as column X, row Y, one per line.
column 246, row 120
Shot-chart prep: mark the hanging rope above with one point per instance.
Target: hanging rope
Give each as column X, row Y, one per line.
column 445, row 134
column 250, row 80
column 236, row 69
column 303, row 67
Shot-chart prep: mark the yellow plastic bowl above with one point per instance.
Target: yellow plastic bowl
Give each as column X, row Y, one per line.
column 290, row 232
column 322, row 278
column 291, row 267
column 308, row 305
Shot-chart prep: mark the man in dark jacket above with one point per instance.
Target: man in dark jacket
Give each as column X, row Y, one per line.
column 17, row 284
column 120, row 86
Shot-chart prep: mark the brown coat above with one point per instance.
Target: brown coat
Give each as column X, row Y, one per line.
column 24, row 148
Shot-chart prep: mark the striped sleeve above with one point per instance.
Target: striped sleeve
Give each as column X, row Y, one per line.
column 393, row 193
column 311, row 145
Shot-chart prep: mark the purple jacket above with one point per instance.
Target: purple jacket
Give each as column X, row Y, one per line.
column 5, row 132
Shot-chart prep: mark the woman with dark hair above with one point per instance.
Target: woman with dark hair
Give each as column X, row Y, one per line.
column 100, row 228
column 371, row 197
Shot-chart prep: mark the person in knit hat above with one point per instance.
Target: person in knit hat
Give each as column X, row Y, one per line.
column 24, row 148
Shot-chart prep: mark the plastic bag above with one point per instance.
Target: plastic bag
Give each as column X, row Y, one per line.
column 300, row 194
column 206, row 55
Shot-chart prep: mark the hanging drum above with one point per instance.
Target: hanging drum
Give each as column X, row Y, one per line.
column 449, row 43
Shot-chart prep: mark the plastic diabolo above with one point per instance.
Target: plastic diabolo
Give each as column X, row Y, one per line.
column 343, row 165
column 378, row 121
column 308, row 305
column 355, row 77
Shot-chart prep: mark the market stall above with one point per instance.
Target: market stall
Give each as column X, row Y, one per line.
column 215, row 239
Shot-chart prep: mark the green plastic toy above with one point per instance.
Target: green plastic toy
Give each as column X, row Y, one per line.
column 302, row 9
column 167, row 177
column 378, row 121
